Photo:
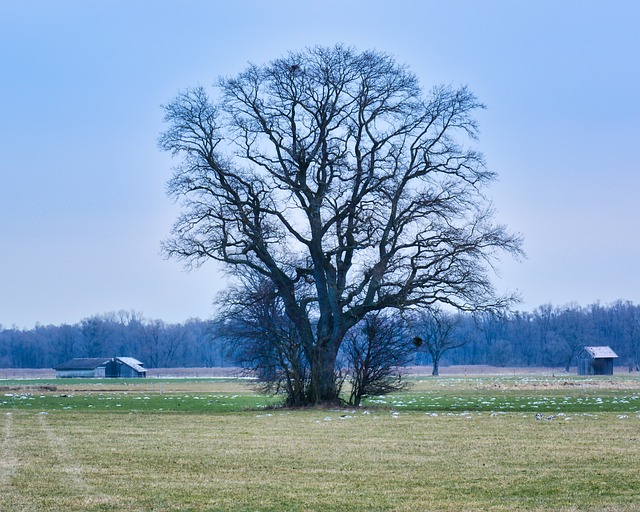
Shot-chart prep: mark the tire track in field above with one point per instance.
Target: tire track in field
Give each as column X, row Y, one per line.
column 8, row 458
column 64, row 462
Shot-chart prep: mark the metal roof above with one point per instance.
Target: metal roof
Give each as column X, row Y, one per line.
column 133, row 363
column 88, row 363
column 91, row 363
column 600, row 352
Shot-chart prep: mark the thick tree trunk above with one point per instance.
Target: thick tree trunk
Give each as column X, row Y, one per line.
column 324, row 389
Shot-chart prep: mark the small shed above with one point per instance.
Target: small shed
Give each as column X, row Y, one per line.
column 101, row 367
column 596, row 361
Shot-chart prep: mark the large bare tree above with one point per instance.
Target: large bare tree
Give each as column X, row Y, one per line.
column 333, row 174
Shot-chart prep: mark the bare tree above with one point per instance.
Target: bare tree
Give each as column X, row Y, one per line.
column 438, row 332
column 626, row 321
column 333, row 168
column 571, row 326
column 160, row 343
column 376, row 350
column 151, row 342
column 264, row 339
column 64, row 342
column 95, row 335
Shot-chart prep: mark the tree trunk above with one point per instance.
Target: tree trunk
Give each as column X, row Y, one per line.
column 436, row 366
column 567, row 367
column 323, row 389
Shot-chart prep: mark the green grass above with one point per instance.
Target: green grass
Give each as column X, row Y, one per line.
column 205, row 445
column 514, row 401
column 134, row 395
column 137, row 403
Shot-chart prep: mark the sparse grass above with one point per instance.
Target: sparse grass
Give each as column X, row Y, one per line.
column 443, row 446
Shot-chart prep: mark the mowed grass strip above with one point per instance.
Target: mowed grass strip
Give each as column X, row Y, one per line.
column 333, row 460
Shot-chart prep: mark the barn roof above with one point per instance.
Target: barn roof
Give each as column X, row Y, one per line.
column 88, row 363
column 600, row 352
column 133, row 363
column 91, row 363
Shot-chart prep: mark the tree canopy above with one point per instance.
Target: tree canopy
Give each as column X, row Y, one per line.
column 334, row 175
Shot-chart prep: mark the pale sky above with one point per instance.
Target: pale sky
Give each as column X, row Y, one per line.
column 82, row 184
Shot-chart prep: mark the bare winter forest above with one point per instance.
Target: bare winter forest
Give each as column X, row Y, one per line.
column 549, row 336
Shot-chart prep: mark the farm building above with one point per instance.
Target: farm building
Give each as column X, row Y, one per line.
column 101, row 367
column 596, row 361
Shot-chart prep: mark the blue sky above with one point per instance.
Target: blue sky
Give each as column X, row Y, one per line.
column 82, row 183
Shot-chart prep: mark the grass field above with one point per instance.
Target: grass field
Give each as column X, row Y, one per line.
column 451, row 443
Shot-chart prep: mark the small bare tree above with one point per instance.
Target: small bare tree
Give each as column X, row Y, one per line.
column 264, row 339
column 437, row 331
column 571, row 326
column 375, row 351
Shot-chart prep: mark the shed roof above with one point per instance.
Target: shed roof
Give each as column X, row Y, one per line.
column 88, row 363
column 600, row 352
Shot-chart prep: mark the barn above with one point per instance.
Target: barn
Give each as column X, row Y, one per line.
column 596, row 361
column 101, row 367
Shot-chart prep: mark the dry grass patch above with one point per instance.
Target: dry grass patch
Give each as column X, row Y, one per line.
column 317, row 460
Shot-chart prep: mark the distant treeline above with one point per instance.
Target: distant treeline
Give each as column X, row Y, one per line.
column 156, row 343
column 549, row 336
